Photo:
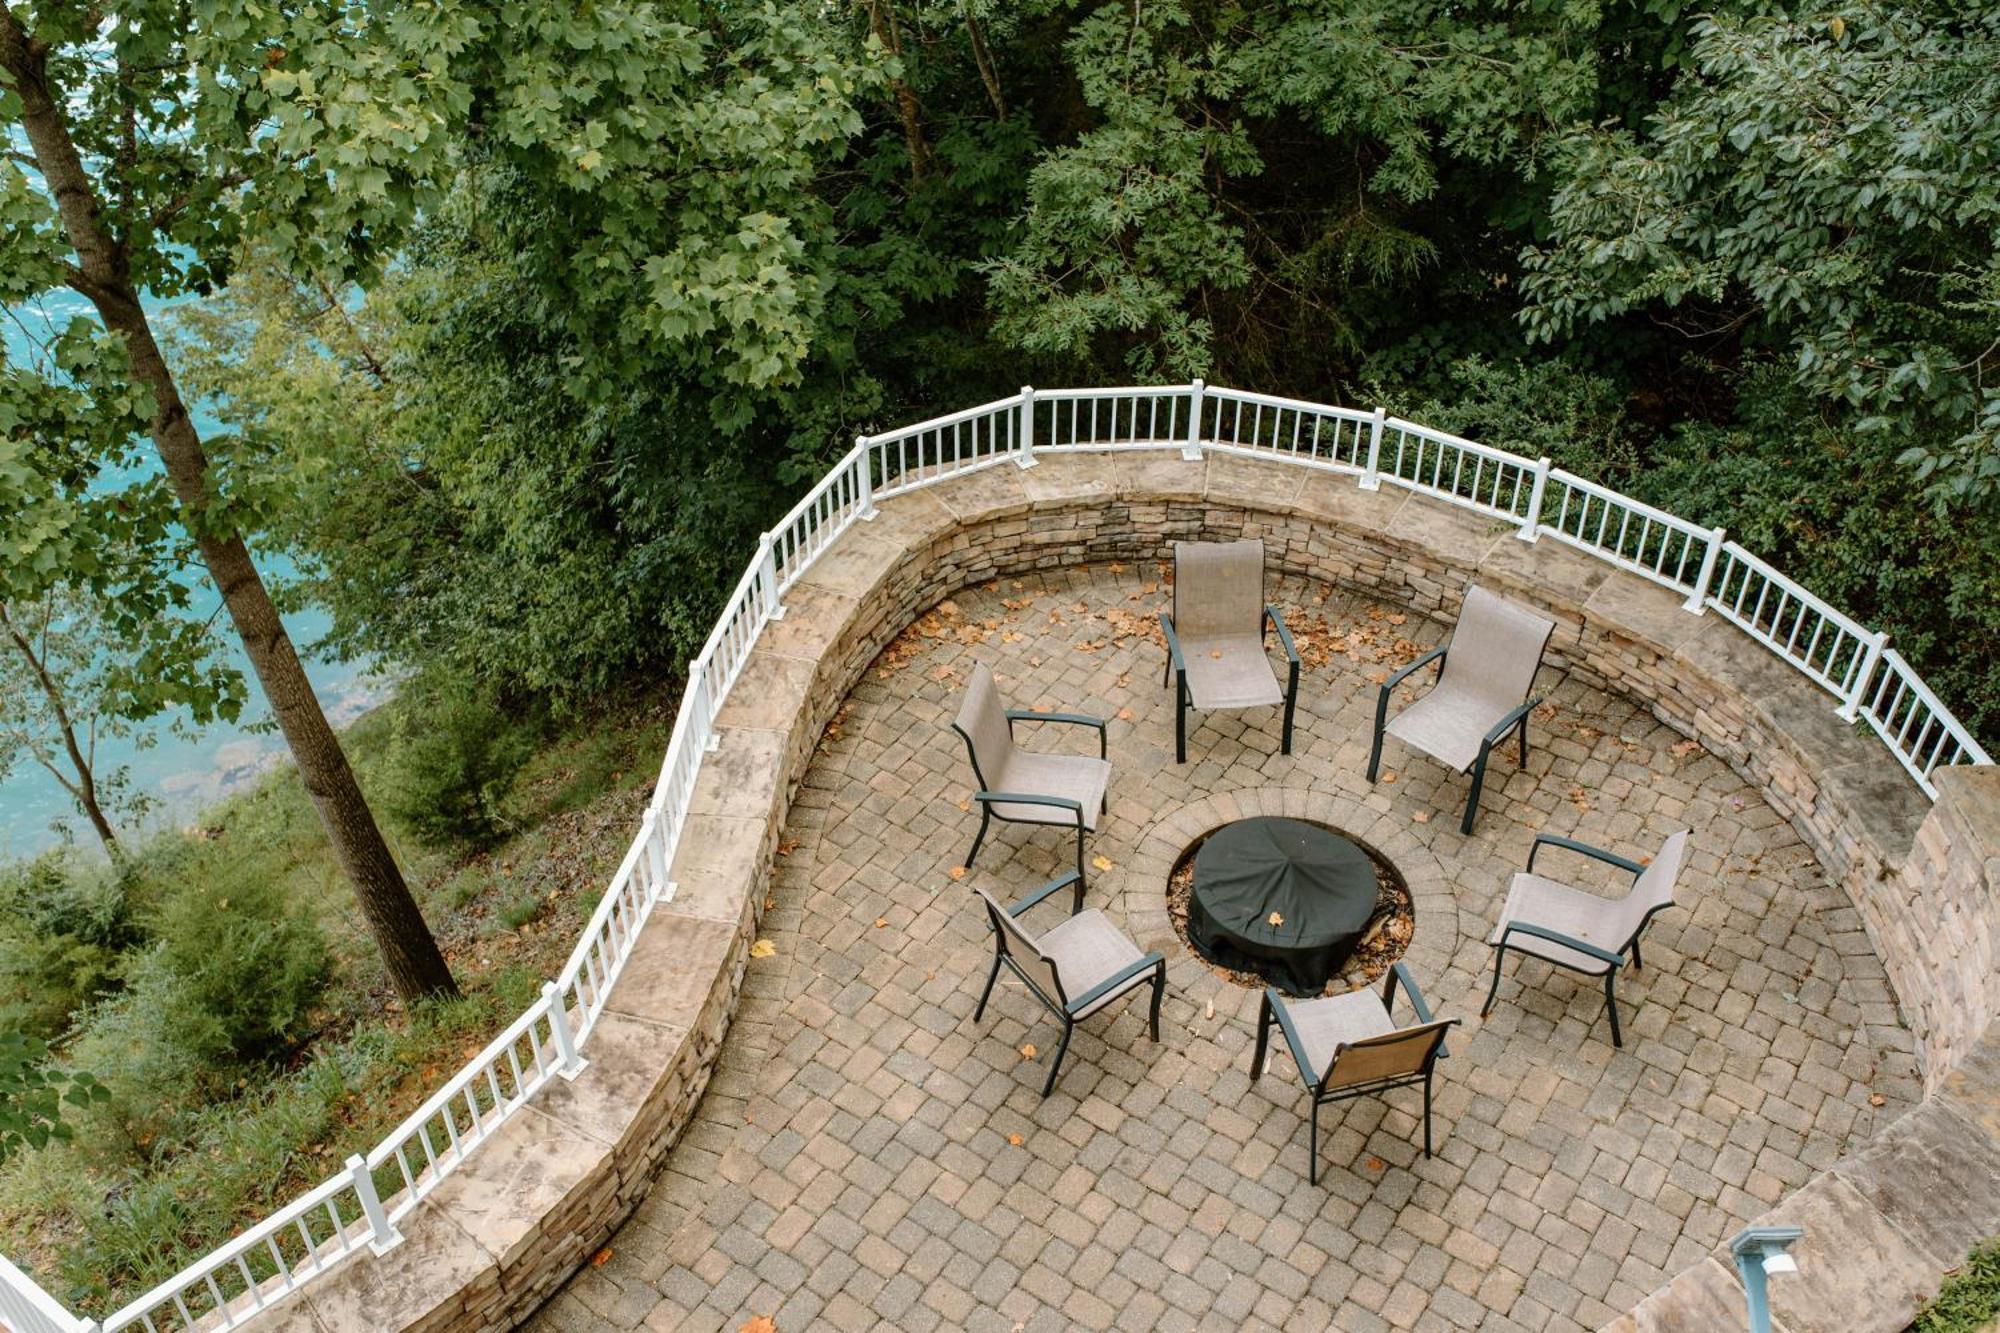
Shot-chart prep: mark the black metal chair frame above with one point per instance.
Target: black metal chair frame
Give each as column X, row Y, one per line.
column 1273, row 1006
column 1176, row 675
column 1516, row 719
column 1060, row 1005
column 1612, row 961
column 988, row 799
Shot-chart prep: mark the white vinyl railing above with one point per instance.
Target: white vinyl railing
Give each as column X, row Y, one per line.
column 359, row 1207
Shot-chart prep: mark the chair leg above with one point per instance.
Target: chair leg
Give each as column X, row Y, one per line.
column 1524, row 741
column 1079, row 874
column 1263, row 1037
column 1291, row 707
column 987, row 994
column 1472, row 797
column 1375, row 753
column 985, row 822
column 1312, row 1163
column 1611, row 1005
column 1055, row 1065
column 1427, row 1113
column 1180, row 721
column 1499, row 957
column 1635, row 955
column 1159, row 993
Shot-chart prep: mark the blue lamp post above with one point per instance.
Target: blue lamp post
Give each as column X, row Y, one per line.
column 1761, row 1251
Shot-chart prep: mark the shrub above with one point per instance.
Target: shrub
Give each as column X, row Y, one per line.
column 1970, row 1299
column 64, row 928
column 454, row 756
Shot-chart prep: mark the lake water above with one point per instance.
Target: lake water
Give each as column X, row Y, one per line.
column 183, row 773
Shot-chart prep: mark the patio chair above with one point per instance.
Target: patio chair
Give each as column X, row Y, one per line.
column 1485, row 671
column 1215, row 636
column 1074, row 969
column 1028, row 788
column 1349, row 1046
column 1583, row 931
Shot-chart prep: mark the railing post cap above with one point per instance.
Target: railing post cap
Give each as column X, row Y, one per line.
column 1027, row 388
column 1197, row 381
column 548, row 990
column 1381, row 413
column 356, row 1162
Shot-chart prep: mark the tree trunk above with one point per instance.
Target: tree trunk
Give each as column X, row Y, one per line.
column 84, row 789
column 103, row 274
column 983, row 58
column 919, row 148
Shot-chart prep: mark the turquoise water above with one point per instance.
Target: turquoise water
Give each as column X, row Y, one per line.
column 183, row 773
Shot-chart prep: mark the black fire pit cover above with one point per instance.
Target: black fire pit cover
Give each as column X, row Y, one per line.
column 1320, row 885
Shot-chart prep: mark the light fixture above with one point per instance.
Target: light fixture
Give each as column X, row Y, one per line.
column 1760, row 1252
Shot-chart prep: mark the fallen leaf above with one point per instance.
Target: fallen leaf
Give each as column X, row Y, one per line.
column 763, row 949
column 1388, row 777
column 1682, row 749
column 1124, row 715
column 1014, row 1139
column 958, row 872
column 1376, row 1164
column 1877, row 1099
column 1028, row 1051
column 601, row 1258
column 1101, row 861
column 1210, row 1011
column 881, row 921
column 1215, row 652
column 761, row 1323
column 1276, row 918
column 1422, row 816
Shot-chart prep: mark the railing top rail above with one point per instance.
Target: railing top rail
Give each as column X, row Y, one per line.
column 948, row 419
column 1840, row 619
column 1974, row 751
column 1354, row 414
column 828, row 483
column 1640, row 507
column 1121, row 391
column 1456, row 442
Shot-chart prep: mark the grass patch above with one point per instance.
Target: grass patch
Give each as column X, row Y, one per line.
column 138, row 1194
column 1969, row 1301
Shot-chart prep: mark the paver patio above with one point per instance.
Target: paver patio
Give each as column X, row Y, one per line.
column 855, row 1162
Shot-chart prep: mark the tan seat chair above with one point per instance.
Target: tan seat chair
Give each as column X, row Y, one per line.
column 1580, row 930
column 1349, row 1046
column 1028, row 788
column 1215, row 636
column 1074, row 969
column 1485, row 672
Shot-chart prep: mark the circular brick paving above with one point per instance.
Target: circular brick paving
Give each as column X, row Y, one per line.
column 867, row 1156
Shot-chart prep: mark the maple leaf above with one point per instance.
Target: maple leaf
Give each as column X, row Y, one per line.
column 601, row 1258
column 1276, row 918
column 763, row 949
column 1028, row 1051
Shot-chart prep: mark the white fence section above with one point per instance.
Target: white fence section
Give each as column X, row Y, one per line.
column 359, row 1207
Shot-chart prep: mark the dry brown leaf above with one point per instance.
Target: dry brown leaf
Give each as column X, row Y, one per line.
column 1379, row 677
column 1014, row 1139
column 763, row 949
column 1682, row 749
column 1215, row 652
column 1422, row 816
column 1388, row 777
column 760, row 1323
column 1028, row 1051
column 1376, row 1164
column 601, row 1258
column 1276, row 918
column 881, row 921
column 1877, row 1099
column 1124, row 715
column 958, row 872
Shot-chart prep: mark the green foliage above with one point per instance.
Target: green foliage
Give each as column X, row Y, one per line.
column 33, row 1095
column 64, row 930
column 1554, row 408
column 1969, row 1301
column 1825, row 185
column 455, row 756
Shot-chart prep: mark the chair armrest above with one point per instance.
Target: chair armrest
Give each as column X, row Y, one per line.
column 1396, row 677
column 1173, row 642
column 1508, row 723
column 1052, row 887
column 1125, row 976
column 1072, row 719
column 1277, row 622
column 1021, row 797
column 1399, row 973
column 1557, row 937
column 1276, row 1002
column 1597, row 853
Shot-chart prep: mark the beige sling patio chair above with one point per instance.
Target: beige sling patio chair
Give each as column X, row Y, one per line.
column 1580, row 930
column 1349, row 1046
column 1074, row 969
column 1215, row 636
column 1022, row 786
column 1485, row 671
